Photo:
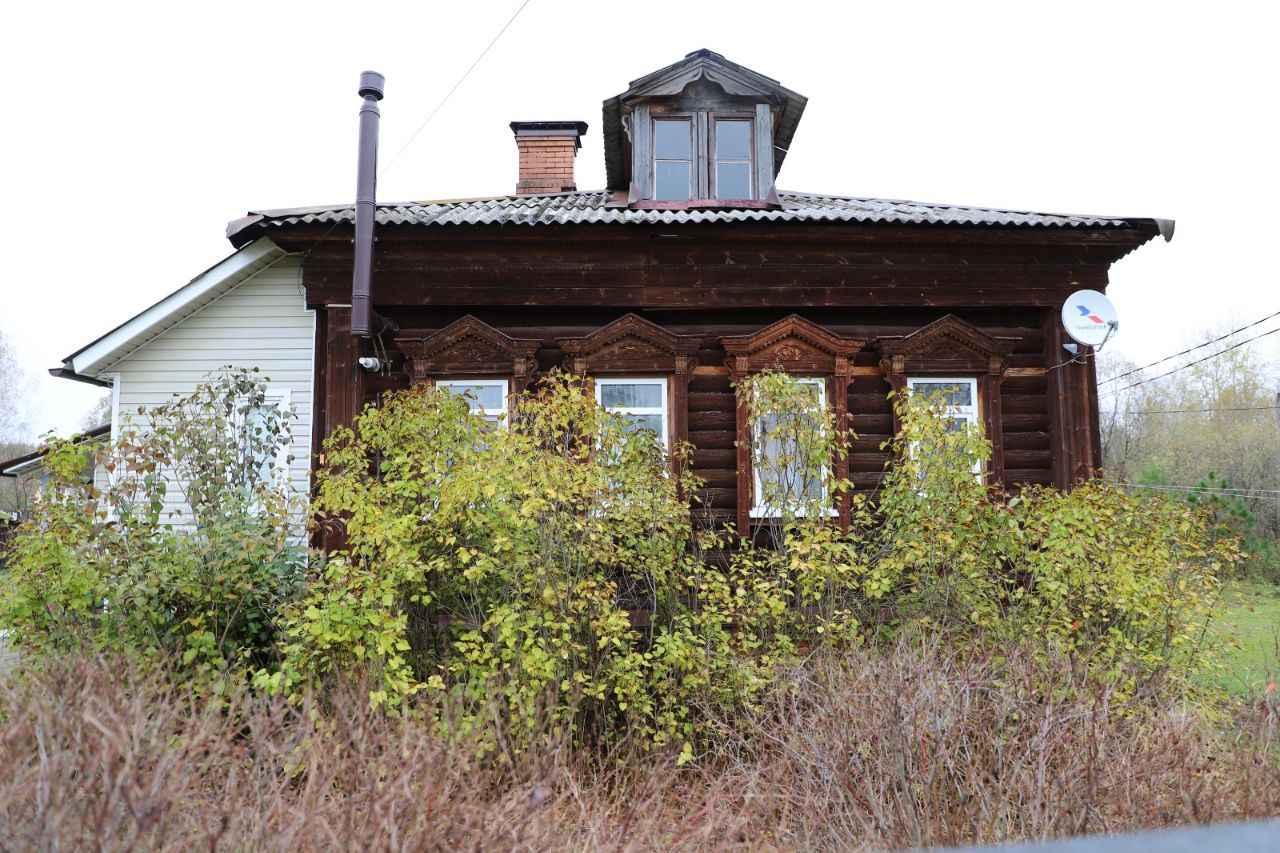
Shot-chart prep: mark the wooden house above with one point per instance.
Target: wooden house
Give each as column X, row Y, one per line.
column 689, row 270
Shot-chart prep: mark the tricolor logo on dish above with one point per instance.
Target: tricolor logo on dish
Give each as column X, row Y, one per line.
column 1093, row 318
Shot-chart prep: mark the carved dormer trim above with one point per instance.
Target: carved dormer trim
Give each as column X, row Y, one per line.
column 468, row 347
column 630, row 344
column 703, row 80
column 791, row 345
column 946, row 346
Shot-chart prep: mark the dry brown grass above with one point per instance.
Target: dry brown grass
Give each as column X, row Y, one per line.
column 871, row 749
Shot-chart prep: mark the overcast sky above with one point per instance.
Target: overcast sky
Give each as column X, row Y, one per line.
column 135, row 132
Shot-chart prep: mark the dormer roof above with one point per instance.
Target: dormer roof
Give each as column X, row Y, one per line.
column 669, row 82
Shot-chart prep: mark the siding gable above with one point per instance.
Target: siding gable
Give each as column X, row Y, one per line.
column 262, row 322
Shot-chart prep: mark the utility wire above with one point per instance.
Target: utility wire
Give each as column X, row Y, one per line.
column 1189, row 350
column 1226, row 490
column 1191, row 363
column 1196, row 411
column 449, row 95
column 338, row 220
column 1252, row 494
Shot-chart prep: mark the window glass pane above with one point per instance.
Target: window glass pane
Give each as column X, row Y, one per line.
column 635, row 423
column 638, row 396
column 733, row 180
column 671, row 181
column 954, row 393
column 733, row 140
column 671, row 139
column 482, row 397
column 785, row 475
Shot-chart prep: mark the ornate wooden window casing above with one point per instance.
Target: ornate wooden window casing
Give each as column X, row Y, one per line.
column 798, row 347
column 633, row 346
column 469, row 347
column 952, row 347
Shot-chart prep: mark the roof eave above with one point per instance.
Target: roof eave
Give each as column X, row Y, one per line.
column 91, row 359
column 18, row 464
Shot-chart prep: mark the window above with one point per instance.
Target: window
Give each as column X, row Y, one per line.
column 703, row 155
column 261, row 425
column 783, row 475
column 731, row 168
column 960, row 396
column 673, row 159
column 487, row 397
column 642, row 402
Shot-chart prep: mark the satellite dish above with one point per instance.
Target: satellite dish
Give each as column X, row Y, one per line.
column 1090, row 318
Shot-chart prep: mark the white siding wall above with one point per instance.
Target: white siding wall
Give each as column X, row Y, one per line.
column 263, row 323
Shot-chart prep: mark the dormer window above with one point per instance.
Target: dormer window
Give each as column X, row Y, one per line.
column 704, row 132
column 673, row 172
column 731, row 150
column 702, row 155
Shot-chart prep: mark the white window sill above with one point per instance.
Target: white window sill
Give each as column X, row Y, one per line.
column 770, row 512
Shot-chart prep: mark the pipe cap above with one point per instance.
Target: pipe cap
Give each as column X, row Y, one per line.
column 372, row 85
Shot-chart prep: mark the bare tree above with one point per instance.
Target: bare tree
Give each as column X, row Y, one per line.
column 98, row 415
column 15, row 386
column 1213, row 417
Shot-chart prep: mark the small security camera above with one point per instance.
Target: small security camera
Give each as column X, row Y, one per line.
column 371, row 364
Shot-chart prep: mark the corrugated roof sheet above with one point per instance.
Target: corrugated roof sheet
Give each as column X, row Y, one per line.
column 598, row 207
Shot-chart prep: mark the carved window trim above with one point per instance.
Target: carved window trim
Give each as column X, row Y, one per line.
column 469, row 347
column 636, row 347
column 801, row 348
column 951, row 347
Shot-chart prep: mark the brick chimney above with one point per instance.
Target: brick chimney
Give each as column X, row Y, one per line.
column 547, row 150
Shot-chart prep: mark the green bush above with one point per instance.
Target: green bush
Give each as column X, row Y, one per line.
column 1231, row 517
column 547, row 564
column 102, row 563
column 546, row 577
column 552, row 565
column 1096, row 571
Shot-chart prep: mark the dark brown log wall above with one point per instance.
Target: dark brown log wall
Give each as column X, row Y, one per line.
column 1026, row 418
column 856, row 281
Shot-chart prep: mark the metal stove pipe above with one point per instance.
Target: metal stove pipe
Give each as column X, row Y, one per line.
column 371, row 89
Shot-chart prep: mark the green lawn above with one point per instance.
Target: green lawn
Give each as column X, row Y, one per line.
column 1252, row 618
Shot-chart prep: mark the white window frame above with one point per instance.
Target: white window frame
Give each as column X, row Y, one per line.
column 664, row 410
column 702, row 154
column 971, row 414
column 487, row 382
column 759, row 509
column 279, row 398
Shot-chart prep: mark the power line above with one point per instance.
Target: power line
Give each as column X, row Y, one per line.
column 1191, row 363
column 383, row 169
column 1196, row 411
column 1190, row 349
column 1253, row 494
column 449, row 95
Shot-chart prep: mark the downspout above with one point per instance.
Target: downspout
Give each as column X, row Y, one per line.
column 362, row 315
